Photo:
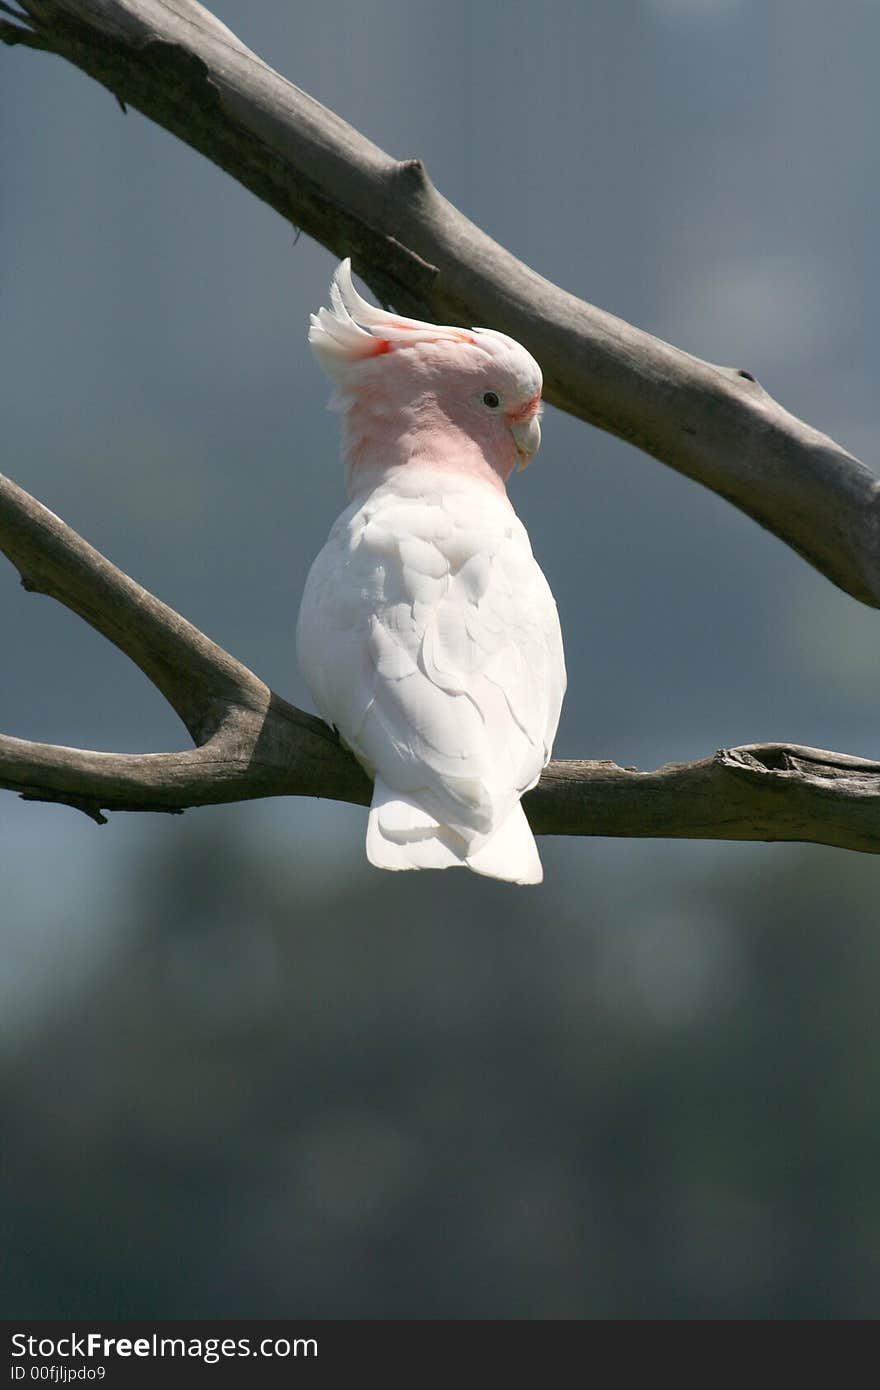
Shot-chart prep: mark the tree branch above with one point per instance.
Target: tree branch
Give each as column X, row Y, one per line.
column 252, row 743
column 198, row 679
column 184, row 69
column 180, row 66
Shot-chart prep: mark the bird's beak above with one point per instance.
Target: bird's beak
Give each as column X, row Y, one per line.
column 527, row 438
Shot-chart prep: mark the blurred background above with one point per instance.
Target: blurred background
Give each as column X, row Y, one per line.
column 243, row 1074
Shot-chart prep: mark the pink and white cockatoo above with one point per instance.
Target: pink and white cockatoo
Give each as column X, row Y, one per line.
column 427, row 634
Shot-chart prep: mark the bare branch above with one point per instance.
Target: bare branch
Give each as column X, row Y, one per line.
column 252, row 743
column 180, row 66
column 279, row 752
column 761, row 792
column 198, row 679
column 771, row 791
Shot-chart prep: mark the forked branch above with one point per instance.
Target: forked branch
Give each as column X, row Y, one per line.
column 251, row 743
column 180, row 66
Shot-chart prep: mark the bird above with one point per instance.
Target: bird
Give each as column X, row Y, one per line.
column 427, row 634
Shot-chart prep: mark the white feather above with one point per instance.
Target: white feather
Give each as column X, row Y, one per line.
column 511, row 853
column 446, row 679
column 347, row 332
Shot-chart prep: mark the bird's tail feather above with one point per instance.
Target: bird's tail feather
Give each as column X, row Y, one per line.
column 511, row 853
column 402, row 835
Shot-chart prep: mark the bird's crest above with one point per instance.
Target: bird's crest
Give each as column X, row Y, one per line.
column 352, row 330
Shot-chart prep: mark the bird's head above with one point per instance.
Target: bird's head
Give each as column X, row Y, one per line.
column 463, row 398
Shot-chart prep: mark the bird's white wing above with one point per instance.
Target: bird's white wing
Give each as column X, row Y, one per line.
column 430, row 639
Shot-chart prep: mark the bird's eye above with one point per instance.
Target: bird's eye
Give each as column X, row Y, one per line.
column 491, row 399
